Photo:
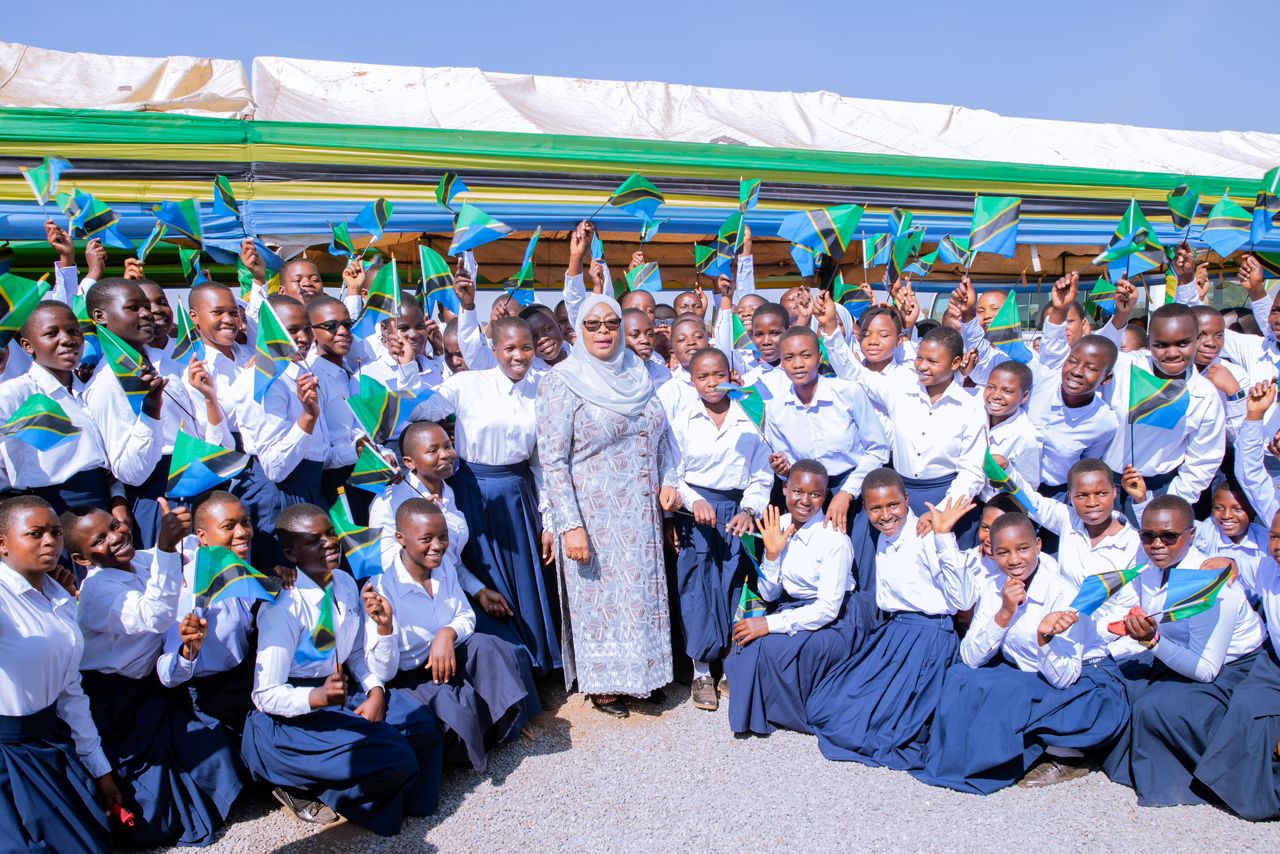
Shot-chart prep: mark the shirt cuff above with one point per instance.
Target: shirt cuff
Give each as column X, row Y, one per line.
column 96, row 764
column 779, row 624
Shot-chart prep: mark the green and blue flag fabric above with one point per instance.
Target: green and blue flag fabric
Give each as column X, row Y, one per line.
column 371, row 473
column 319, row 643
column 450, row 186
column 1266, row 207
column 272, row 353
column 224, row 200
column 749, row 398
column 649, row 228
column 1004, row 481
column 382, row 303
column 806, row 259
column 954, row 250
column 827, row 231
column 221, row 574
column 728, row 243
column 188, row 345
column 1155, row 402
column 748, row 194
column 40, row 422
column 645, row 277
column 92, row 354
column 157, row 234
column 198, row 466
column 637, row 196
column 128, row 365
column 437, row 282
column 341, row 245
column 374, row 217
column 43, row 179
column 877, row 249
column 181, row 218
column 1097, row 589
column 1193, row 591
column 475, row 228
column 994, row 228
column 1227, row 228
column 360, row 543
column 1184, row 205
column 1005, row 331
column 19, row 296
column 90, row 217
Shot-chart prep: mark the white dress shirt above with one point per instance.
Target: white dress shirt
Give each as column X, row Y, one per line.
column 269, row 430
column 923, row 575
column 496, row 424
column 418, row 615
column 1061, row 659
column 382, row 515
column 1248, row 553
column 1017, row 440
column 124, row 615
column 226, row 639
column 816, row 563
column 1078, row 432
column 181, row 404
column 28, row 466
column 336, row 386
column 283, row 623
column 225, row 372
column 40, row 652
column 731, row 456
column 136, row 441
column 1258, row 486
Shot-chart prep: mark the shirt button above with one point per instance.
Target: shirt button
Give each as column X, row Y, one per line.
column 645, row 493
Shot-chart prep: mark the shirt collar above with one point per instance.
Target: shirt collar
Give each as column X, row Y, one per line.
column 49, row 383
column 822, row 393
column 10, row 578
column 805, row 532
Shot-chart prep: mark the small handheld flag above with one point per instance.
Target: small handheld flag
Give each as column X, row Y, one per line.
column 320, row 642
column 437, row 282
column 222, row 574
column 198, row 466
column 341, row 246
column 90, row 218
column 749, row 603
column 376, row 409
column 224, row 201
column 371, row 473
column 922, row 265
column 475, row 228
column 806, row 259
column 853, row 297
column 1156, row 402
column 374, row 217
column 157, row 234
column 748, row 397
column 92, row 349
column 828, row 231
column 43, row 179
column 706, row 262
column 1102, row 299
column 994, row 227
column 1097, row 589
column 1266, row 207
column 741, row 340
column 273, row 351
column 904, row 249
column 382, row 303
column 637, row 197
column 954, row 250
column 19, row 297
column 127, row 364
column 649, row 228
column 1184, row 205
column 450, row 185
column 645, row 277
column 188, row 345
column 360, row 543
column 525, row 273
column 1004, row 481
column 728, row 241
column 40, row 422
column 748, row 194
column 1227, row 228
column 1193, row 591
column 877, row 249
column 1005, row 332
column 182, row 218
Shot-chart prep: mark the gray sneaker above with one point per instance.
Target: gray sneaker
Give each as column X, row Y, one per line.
column 312, row 812
column 703, row 694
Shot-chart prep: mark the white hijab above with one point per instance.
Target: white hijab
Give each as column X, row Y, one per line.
column 620, row 383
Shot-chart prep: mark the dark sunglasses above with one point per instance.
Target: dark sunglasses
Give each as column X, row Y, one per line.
column 1166, row 537
column 332, row 326
column 613, row 324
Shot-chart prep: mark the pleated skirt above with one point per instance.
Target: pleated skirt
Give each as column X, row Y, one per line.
column 501, row 508
column 876, row 707
column 710, row 572
column 47, row 799
column 772, row 677
column 1239, row 765
column 1172, row 724
column 177, row 774
column 994, row 723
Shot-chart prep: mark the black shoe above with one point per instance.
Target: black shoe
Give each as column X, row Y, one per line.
column 312, row 812
column 657, row 696
column 615, row 708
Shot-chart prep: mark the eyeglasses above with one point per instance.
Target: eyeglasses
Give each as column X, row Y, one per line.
column 332, row 326
column 613, row 324
column 1166, row 537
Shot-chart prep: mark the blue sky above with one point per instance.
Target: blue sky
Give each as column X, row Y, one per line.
column 1174, row 64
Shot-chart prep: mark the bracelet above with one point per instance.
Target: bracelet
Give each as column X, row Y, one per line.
column 1151, row 644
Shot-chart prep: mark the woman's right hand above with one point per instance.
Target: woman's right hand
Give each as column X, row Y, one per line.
column 576, row 546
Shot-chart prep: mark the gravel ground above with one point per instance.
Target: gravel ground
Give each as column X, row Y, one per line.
column 674, row 778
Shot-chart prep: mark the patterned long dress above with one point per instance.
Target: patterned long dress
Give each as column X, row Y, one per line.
column 602, row 471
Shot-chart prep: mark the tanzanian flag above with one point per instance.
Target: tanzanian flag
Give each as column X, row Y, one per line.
column 222, row 574
column 900, row 220
column 922, row 264
column 704, row 259
column 437, row 282
column 1266, row 208
column 197, row 466
column 1184, row 205
column 127, row 364
column 224, row 201
column 182, row 218
column 1101, row 300
column 649, row 228
column 954, row 250
column 645, row 277
column 637, row 197
column 852, row 297
column 1228, row 227
column 741, row 340
column 40, row 422
column 341, row 245
column 1003, row 481
column 752, row 548
column 1005, row 331
column 43, row 179
column 748, row 397
column 877, row 249
column 1193, row 591
column 191, row 271
column 383, row 301
column 748, row 194
column 18, row 298
column 728, row 242
column 92, row 349
column 371, row 473
column 827, row 231
column 475, row 228
column 994, row 227
column 525, row 273
column 749, row 603
column 806, row 259
column 376, row 409
column 1135, row 243
column 1270, row 262
column 92, row 218
column 450, row 185
column 374, row 217
column 157, row 234
column 273, row 351
column 1097, row 589
column 188, row 345
column 1156, row 402
column 319, row 643
column 904, row 249
column 360, row 543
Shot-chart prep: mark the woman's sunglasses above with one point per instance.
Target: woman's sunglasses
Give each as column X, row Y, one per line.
column 1166, row 537
column 613, row 324
column 332, row 326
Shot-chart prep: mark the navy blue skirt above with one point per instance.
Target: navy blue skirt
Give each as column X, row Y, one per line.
column 47, row 800
column 363, row 771
column 421, row 728
column 1172, row 723
column 504, row 550
column 505, row 631
column 88, row 488
column 1240, row 764
column 481, row 707
column 710, row 572
column 933, row 490
column 225, row 698
column 177, row 773
column 994, row 723
column 876, row 707
column 143, row 505
column 772, row 677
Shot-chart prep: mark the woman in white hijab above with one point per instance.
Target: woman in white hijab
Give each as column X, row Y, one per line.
column 606, row 465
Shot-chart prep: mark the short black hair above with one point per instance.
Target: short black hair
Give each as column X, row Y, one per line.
column 1102, row 344
column 1089, row 465
column 1172, row 313
column 1204, row 313
column 925, row 326
column 799, row 332
column 416, row 432
column 217, row 498
column 1004, row 502
column 689, row 317
column 772, row 309
column 502, row 324
column 706, row 352
column 945, row 337
column 864, row 322
column 812, row 467
column 1019, row 371
column 416, row 507
column 206, row 289
column 1013, row 520
column 11, row 507
column 883, row 478
column 1172, row 503
column 537, row 308
column 292, row 515
column 279, row 300
column 107, row 291
column 319, row 301
column 638, row 313
column 43, row 307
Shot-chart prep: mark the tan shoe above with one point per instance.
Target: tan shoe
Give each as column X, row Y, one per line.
column 724, row 687
column 703, row 694
column 1052, row 771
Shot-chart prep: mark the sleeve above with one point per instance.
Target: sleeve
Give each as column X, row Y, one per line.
column 973, row 446
column 382, row 659
column 277, row 645
column 171, row 667
column 988, row 356
column 354, row 303
column 134, row 442
column 1060, row 659
column 1052, row 514
column 281, row 444
column 950, row 575
column 1202, row 658
column 769, row 580
column 1245, row 350
column 985, row 636
column 68, row 283
column 745, row 281
column 1025, row 459
column 1261, row 309
column 1206, row 443
column 668, row 459
column 117, row 608
column 878, row 387
column 1112, row 333
column 875, row 445
column 844, row 362
column 1054, row 348
column 73, row 708
column 556, row 407
column 463, row 621
column 1252, row 474
column 444, row 402
column 575, row 294
column 380, row 648
column 475, row 350
column 1188, row 294
column 834, row 563
column 760, row 479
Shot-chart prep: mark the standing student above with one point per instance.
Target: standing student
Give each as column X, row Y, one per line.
column 637, row 327
column 177, row 774
column 725, row 481
column 56, row 785
column 688, row 336
column 1064, row 324
column 741, row 360
column 876, row 707
column 1009, row 430
column 470, row 681
column 768, row 322
column 778, row 659
column 1054, row 689
column 330, row 325
column 326, row 751
column 1181, row 690
column 495, row 486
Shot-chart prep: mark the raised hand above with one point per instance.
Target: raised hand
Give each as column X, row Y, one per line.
column 769, row 526
column 1250, row 277
column 61, row 242
column 174, row 524
column 943, row 519
column 1134, row 484
column 95, row 259
column 250, row 257
column 191, row 632
column 466, row 291
column 1261, row 396
column 378, row 609
column 354, row 275
column 1055, row 624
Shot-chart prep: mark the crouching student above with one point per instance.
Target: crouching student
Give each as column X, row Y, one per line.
column 1181, row 690
column 876, row 707
column 56, row 784
column 329, row 753
column 807, row 569
column 1052, row 687
column 470, row 681
column 177, row 774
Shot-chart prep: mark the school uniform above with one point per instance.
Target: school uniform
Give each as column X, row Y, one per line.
column 1053, row 351
column 73, row 473
column 876, row 707
column 728, row 467
column 740, row 360
column 816, row 625
column 50, row 752
column 483, row 704
column 477, row 349
column 901, row 369
column 176, row 772
column 1248, row 553
column 369, row 773
column 1181, row 690
column 1010, row 700
column 1075, row 432
column 495, row 434
column 659, row 373
column 424, row 373
column 335, row 386
column 1017, row 440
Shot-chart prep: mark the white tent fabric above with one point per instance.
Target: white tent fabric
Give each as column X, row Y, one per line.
column 35, row 77
column 470, row 99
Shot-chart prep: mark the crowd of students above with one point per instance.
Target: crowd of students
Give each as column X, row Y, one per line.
column 591, row 490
